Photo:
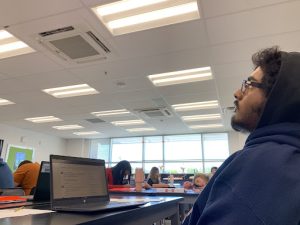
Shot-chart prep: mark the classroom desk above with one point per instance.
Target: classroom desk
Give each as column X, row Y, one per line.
column 189, row 195
column 146, row 214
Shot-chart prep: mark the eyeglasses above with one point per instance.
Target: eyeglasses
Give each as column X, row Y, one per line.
column 246, row 84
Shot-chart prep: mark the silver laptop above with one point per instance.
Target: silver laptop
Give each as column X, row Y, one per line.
column 79, row 185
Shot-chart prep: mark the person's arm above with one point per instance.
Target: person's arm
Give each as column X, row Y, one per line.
column 160, row 185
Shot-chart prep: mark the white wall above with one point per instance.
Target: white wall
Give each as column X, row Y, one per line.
column 43, row 144
column 78, row 147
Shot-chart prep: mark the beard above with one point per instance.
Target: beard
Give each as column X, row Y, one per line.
column 246, row 122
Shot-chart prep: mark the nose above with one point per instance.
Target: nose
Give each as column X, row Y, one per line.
column 238, row 94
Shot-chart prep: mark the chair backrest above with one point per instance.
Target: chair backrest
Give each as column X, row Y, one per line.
column 12, row 191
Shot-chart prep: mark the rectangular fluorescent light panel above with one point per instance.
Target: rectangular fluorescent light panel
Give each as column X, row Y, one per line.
column 127, row 122
column 206, row 126
column 86, row 133
column 201, row 117
column 181, row 77
column 5, row 102
column 129, row 16
column 44, row 119
column 116, row 112
column 141, row 129
column 68, row 127
column 196, row 105
column 71, row 91
column 12, row 46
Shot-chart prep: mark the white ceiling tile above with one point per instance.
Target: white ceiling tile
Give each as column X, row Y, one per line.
column 254, row 23
column 212, row 8
column 27, row 64
column 243, row 50
column 163, row 40
column 22, row 11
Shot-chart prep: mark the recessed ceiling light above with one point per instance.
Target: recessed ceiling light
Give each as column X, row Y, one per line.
column 128, row 16
column 5, row 102
column 181, row 77
column 116, row 112
column 12, row 46
column 127, row 122
column 141, row 129
column 86, row 133
column 196, row 105
column 43, row 119
column 71, row 91
column 68, row 127
column 206, row 126
column 202, row 117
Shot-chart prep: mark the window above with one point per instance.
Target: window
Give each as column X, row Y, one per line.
column 184, row 167
column 100, row 149
column 129, row 149
column 215, row 146
column 153, row 148
column 148, row 166
column 189, row 153
column 181, row 147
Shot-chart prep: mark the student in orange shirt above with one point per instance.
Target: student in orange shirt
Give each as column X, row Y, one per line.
column 26, row 175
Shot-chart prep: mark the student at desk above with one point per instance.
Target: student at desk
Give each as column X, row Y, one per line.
column 6, row 177
column 116, row 176
column 154, row 179
column 199, row 182
column 26, row 175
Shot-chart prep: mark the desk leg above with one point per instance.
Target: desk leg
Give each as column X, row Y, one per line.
column 175, row 218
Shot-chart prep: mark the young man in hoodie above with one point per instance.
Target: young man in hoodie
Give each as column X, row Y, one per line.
column 6, row 177
column 260, row 185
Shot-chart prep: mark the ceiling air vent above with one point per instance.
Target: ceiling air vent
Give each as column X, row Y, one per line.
column 75, row 44
column 95, row 120
column 155, row 112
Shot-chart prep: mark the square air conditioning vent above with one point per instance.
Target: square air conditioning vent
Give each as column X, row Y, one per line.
column 154, row 112
column 75, row 44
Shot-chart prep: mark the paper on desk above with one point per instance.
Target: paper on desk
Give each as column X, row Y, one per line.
column 136, row 199
column 21, row 212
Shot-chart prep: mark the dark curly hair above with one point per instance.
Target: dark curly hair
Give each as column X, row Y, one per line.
column 119, row 170
column 269, row 60
column 24, row 162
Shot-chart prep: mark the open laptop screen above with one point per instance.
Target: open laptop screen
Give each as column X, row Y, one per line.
column 74, row 177
column 42, row 190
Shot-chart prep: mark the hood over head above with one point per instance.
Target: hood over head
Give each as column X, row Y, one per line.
column 283, row 103
column 2, row 163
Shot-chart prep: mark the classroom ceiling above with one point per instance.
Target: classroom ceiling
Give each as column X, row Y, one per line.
column 224, row 38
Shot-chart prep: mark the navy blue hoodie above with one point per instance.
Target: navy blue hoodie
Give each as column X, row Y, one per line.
column 260, row 185
column 6, row 177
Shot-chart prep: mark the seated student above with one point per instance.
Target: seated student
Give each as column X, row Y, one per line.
column 26, row 175
column 116, row 176
column 154, row 179
column 199, row 182
column 6, row 177
column 213, row 170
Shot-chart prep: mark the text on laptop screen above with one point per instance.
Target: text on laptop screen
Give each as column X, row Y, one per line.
column 71, row 180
